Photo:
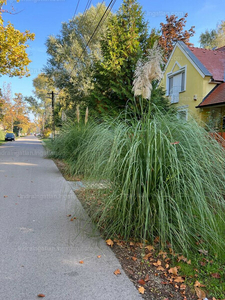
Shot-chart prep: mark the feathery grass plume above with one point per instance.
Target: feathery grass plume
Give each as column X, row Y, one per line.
column 86, row 116
column 147, row 70
column 78, row 113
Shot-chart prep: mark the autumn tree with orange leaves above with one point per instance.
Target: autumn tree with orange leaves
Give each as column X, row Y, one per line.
column 173, row 31
column 14, row 111
column 13, row 44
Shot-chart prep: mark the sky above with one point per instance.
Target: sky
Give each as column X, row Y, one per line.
column 45, row 18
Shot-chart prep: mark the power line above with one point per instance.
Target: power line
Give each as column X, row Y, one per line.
column 97, row 12
column 76, row 8
column 87, row 6
column 112, row 3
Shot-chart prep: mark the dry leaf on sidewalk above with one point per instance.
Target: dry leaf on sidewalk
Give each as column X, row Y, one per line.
column 117, row 272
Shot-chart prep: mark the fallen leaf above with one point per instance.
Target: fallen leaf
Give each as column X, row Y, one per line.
column 167, row 266
column 182, row 258
column 172, row 252
column 162, row 253
column 183, row 286
column 189, row 262
column 139, row 245
column 173, row 271
column 156, row 240
column 158, row 263
column 200, row 293
column 147, row 277
column 146, row 257
column 149, row 247
column 141, row 290
column 215, row 275
column 41, row 295
column 198, row 284
column 131, row 243
column 202, row 251
column 179, row 279
column 134, row 258
column 141, row 281
column 117, row 272
column 164, row 282
column 81, row 262
column 160, row 268
column 99, row 256
column 109, row 242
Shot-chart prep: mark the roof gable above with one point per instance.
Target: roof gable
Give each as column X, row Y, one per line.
column 191, row 57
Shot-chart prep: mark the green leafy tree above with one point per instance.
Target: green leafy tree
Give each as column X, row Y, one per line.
column 208, row 39
column 40, row 105
column 70, row 61
column 214, row 38
column 125, row 41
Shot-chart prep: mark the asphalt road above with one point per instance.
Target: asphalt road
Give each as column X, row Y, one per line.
column 40, row 247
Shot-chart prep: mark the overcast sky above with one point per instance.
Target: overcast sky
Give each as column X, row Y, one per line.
column 44, row 18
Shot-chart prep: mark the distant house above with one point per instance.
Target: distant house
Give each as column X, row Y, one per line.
column 194, row 79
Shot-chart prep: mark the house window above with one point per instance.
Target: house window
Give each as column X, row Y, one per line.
column 176, row 84
column 182, row 114
column 223, row 123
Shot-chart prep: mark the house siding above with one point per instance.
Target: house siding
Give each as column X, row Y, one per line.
column 195, row 83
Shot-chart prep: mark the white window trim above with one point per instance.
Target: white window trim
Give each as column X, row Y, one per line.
column 171, row 74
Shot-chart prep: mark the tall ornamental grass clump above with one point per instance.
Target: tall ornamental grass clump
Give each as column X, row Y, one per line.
column 166, row 179
column 65, row 144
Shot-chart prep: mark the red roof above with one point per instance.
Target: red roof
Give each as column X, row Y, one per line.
column 221, row 49
column 215, row 97
column 213, row 60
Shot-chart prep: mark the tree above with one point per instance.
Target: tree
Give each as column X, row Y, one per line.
column 41, row 105
column 173, row 31
column 70, row 61
column 208, row 39
column 125, row 42
column 220, row 37
column 14, row 111
column 19, row 109
column 214, row 38
column 13, row 44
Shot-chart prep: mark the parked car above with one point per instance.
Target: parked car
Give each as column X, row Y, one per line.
column 10, row 136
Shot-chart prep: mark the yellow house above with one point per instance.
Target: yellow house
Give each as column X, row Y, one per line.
column 194, row 82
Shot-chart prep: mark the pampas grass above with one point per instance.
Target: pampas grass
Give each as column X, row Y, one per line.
column 147, row 70
column 166, row 179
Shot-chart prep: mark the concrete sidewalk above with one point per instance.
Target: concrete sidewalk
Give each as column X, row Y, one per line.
column 40, row 247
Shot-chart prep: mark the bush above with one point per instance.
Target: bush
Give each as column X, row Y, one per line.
column 2, row 135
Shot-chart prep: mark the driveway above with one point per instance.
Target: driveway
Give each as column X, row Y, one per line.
column 41, row 249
